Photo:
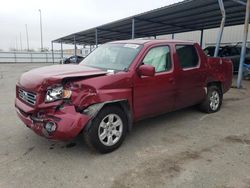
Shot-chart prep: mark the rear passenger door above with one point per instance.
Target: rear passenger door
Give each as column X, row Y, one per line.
column 190, row 78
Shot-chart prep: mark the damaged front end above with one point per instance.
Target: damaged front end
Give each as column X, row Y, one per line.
column 62, row 123
column 51, row 113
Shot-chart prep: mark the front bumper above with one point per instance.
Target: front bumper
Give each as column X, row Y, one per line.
column 69, row 123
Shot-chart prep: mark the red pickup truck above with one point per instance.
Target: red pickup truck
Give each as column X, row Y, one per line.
column 118, row 84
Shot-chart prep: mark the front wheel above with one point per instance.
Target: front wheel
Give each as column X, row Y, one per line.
column 108, row 130
column 213, row 100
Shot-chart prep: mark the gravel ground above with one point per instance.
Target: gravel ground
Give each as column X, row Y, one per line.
column 186, row 148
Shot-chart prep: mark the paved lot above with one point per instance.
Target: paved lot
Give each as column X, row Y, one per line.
column 181, row 149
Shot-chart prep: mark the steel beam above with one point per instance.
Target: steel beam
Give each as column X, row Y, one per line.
column 163, row 23
column 219, row 36
column 125, row 33
column 243, row 48
column 240, row 2
column 75, row 39
column 80, row 37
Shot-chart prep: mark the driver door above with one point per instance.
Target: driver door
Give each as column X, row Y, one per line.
column 155, row 95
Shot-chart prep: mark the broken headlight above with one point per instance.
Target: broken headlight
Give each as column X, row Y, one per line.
column 57, row 93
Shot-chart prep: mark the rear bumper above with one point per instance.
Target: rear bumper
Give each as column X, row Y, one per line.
column 69, row 123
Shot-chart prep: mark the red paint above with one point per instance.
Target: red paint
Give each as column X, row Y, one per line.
column 147, row 95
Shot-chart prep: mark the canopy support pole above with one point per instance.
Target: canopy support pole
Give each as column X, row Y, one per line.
column 173, row 36
column 96, row 37
column 201, row 39
column 243, row 48
column 133, row 29
column 52, row 50
column 75, row 45
column 219, row 36
column 61, row 50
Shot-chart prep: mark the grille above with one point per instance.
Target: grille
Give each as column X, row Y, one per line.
column 28, row 97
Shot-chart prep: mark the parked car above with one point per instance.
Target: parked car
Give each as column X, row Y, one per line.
column 72, row 60
column 246, row 71
column 118, row 84
column 232, row 52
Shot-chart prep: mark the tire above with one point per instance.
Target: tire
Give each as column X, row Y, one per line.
column 213, row 100
column 108, row 130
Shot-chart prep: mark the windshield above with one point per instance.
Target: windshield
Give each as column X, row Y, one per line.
column 112, row 56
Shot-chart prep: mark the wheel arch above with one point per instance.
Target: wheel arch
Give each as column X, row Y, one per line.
column 216, row 83
column 94, row 109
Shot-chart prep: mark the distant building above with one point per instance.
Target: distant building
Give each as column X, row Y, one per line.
column 70, row 52
column 231, row 36
column 85, row 51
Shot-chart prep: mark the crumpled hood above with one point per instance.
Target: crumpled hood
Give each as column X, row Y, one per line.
column 45, row 76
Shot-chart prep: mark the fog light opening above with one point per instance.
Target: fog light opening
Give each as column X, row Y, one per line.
column 50, row 126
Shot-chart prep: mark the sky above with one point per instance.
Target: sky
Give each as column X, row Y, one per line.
column 61, row 17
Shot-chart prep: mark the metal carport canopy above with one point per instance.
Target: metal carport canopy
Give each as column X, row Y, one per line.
column 188, row 15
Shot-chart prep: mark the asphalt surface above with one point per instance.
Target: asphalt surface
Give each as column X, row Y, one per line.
column 186, row 148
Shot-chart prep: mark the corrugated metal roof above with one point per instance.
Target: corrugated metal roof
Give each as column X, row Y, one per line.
column 188, row 15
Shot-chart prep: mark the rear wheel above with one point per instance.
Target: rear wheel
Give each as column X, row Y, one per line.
column 213, row 100
column 108, row 130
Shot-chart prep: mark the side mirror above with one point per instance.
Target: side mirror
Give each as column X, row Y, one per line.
column 146, row 70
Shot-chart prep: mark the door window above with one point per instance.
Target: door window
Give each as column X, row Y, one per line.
column 187, row 56
column 159, row 57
